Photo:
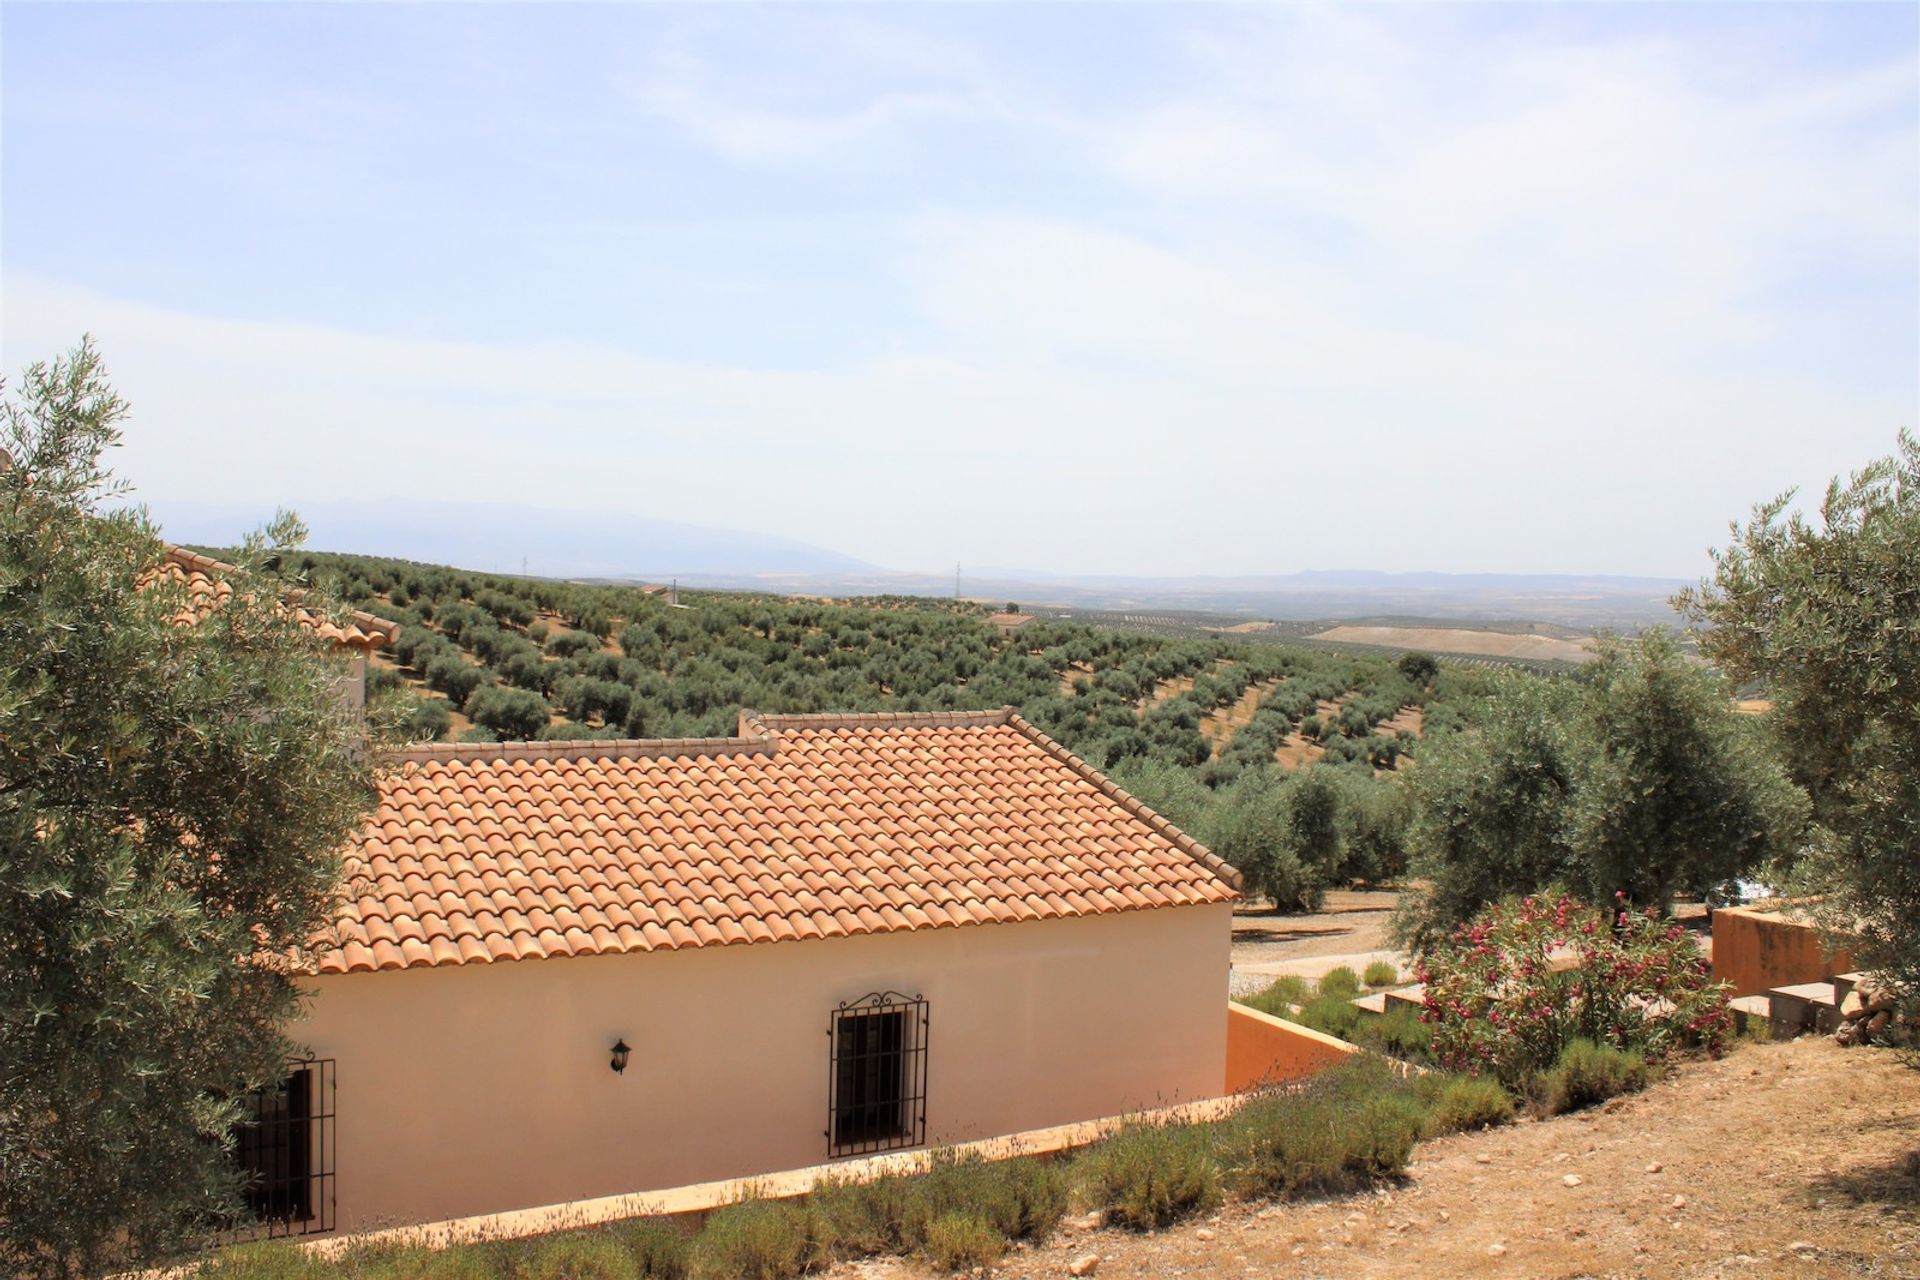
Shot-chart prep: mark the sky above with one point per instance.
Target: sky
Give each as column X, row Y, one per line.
column 1083, row 288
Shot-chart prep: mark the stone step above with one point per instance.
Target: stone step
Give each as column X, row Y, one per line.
column 1843, row 985
column 1805, row 1006
column 1375, row 1003
column 1415, row 996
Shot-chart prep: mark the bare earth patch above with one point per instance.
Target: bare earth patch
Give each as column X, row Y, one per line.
column 1799, row 1159
column 1350, row 920
column 1493, row 644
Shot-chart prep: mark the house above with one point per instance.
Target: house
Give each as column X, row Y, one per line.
column 1008, row 623
column 571, row 970
column 575, row 970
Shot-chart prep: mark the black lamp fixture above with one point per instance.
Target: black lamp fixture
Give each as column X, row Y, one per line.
column 620, row 1052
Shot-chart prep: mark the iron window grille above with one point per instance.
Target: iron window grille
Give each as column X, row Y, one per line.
column 284, row 1144
column 877, row 1074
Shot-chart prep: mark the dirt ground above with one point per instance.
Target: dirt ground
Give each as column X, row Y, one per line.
column 1350, row 921
column 1799, row 1159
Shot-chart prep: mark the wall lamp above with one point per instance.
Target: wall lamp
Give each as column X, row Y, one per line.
column 620, row 1051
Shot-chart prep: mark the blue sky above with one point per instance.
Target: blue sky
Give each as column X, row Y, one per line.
column 1128, row 289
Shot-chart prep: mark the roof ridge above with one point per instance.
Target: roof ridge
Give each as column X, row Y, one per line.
column 586, row 749
column 1139, row 809
column 758, row 735
column 766, row 724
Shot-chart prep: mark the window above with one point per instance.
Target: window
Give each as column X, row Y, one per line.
column 284, row 1144
column 877, row 1075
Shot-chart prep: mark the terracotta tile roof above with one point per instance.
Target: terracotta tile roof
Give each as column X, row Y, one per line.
column 208, row 583
column 801, row 827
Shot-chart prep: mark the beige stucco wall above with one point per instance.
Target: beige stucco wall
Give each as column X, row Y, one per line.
column 478, row 1088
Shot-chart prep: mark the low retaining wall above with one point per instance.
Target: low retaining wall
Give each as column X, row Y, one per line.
column 1758, row 950
column 1264, row 1050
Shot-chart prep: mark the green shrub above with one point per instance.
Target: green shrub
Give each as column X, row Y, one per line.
column 1342, row 982
column 1022, row 1199
column 1335, row 1015
column 1399, row 1032
column 514, row 714
column 1381, row 974
column 1280, row 999
column 1456, row 1104
column 1353, row 1126
column 956, row 1240
column 855, row 1219
column 426, row 719
column 1511, row 992
column 659, row 1249
column 362, row 1260
column 464, row 1262
column 753, row 1240
column 1589, row 1073
column 1149, row 1175
column 1019, row 1199
column 577, row 1256
column 569, row 644
column 275, row 1261
column 453, row 675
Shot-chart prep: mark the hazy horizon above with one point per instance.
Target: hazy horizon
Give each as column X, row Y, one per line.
column 1139, row 291
column 373, row 528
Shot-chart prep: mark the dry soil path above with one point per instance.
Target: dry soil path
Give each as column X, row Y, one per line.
column 1799, row 1159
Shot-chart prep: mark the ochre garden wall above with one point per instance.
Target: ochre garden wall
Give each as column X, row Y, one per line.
column 1264, row 1050
column 479, row 1088
column 1759, row 950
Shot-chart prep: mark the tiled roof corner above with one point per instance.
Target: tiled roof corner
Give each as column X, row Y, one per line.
column 207, row 579
column 1218, row 865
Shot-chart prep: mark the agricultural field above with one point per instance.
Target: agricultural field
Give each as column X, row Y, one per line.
column 1542, row 649
column 1526, row 646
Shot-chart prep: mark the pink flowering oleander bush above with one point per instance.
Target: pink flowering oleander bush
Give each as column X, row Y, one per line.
column 1511, row 989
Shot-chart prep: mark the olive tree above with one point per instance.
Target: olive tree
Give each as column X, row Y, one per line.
column 1634, row 781
column 173, row 800
column 1825, row 612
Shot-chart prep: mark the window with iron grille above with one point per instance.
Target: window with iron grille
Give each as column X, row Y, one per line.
column 877, row 1077
column 284, row 1146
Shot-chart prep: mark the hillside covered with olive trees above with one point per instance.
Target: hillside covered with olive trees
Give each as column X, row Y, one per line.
column 1283, row 757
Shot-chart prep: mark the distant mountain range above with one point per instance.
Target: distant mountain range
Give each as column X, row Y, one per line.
column 610, row 546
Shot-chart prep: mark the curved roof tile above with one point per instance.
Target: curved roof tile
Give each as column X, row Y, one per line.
column 808, row 827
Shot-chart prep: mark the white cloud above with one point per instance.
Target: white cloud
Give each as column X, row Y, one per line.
column 1369, row 295
column 850, row 85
